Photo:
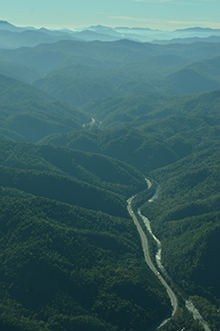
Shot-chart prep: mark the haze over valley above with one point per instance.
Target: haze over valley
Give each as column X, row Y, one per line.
column 94, row 121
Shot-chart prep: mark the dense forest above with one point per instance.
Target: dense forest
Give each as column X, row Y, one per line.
column 82, row 125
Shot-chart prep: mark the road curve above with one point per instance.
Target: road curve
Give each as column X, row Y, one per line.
column 145, row 246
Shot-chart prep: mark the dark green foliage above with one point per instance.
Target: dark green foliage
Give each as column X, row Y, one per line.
column 98, row 170
column 68, row 262
column 186, row 218
column 91, row 181
column 182, row 319
column 144, row 151
column 63, row 188
column 209, row 311
column 73, row 268
column 65, row 267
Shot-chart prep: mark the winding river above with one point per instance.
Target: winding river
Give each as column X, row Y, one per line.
column 148, row 260
column 159, row 270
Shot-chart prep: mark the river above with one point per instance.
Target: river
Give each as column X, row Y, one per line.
column 173, row 298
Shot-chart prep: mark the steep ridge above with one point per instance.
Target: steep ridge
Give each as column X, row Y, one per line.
column 29, row 114
column 81, row 83
column 95, row 169
column 19, row 72
column 63, row 263
column 176, row 140
column 186, row 220
column 88, row 180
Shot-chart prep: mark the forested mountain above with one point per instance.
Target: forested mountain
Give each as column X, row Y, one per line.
column 186, row 219
column 142, row 110
column 82, row 83
column 29, row 114
column 28, row 38
column 42, row 170
column 136, row 147
column 160, row 130
column 63, row 253
column 20, row 72
column 198, row 77
column 68, row 268
column 77, row 72
column 81, row 126
column 79, row 242
column 12, row 36
column 47, row 57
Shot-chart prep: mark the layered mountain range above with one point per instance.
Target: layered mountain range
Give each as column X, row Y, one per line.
column 12, row 36
column 85, row 117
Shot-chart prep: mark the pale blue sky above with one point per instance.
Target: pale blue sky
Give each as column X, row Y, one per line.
column 158, row 14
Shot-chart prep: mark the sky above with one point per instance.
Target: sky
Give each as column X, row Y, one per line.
column 154, row 14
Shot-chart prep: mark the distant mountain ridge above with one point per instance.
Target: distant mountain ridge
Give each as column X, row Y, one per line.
column 6, row 25
column 199, row 29
column 98, row 32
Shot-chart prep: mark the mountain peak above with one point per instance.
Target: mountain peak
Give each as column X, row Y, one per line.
column 5, row 22
column 197, row 29
column 4, row 25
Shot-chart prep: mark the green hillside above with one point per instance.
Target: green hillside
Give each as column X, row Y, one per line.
column 133, row 146
column 144, row 110
column 201, row 76
column 29, row 114
column 186, row 220
column 158, row 131
column 88, row 180
column 78, row 84
column 19, row 72
column 81, row 83
column 189, row 81
column 72, row 267
column 178, row 146
column 68, row 268
column 70, row 254
column 95, row 169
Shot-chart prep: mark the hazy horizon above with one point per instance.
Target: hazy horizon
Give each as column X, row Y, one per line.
column 158, row 14
column 107, row 26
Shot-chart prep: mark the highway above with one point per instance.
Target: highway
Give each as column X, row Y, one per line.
column 144, row 241
column 145, row 246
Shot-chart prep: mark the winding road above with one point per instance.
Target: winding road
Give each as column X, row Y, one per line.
column 145, row 246
column 144, row 241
